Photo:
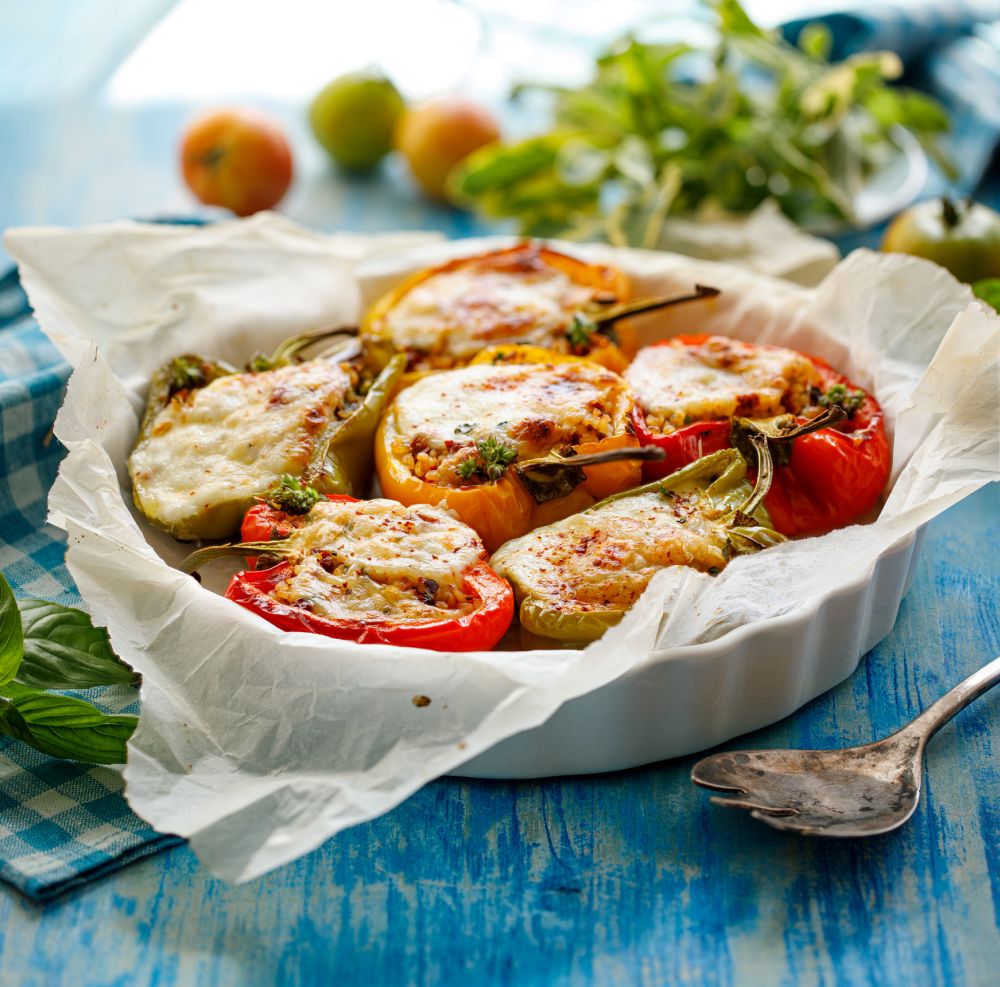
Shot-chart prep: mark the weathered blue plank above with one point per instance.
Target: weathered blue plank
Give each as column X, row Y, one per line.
column 623, row 878
column 627, row 878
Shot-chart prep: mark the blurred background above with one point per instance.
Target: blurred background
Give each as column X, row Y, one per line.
column 96, row 96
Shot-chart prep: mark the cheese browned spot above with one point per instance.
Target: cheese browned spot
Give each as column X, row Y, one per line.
column 516, row 296
column 603, row 559
column 232, row 438
column 531, row 408
column 377, row 560
column 677, row 384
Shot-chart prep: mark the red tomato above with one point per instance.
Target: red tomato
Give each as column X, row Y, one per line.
column 238, row 159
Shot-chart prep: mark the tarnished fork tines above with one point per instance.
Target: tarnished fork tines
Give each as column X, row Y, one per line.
column 858, row 791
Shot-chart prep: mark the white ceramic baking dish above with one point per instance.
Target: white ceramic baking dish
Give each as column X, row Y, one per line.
column 688, row 699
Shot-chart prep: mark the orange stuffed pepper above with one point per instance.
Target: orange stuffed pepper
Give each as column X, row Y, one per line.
column 510, row 445
column 443, row 316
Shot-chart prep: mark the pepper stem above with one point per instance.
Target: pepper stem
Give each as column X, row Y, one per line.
column 645, row 453
column 557, row 474
column 765, row 475
column 640, row 305
column 949, row 213
column 287, row 350
column 279, row 547
column 761, row 438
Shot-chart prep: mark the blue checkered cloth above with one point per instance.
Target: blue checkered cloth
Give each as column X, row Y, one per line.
column 61, row 823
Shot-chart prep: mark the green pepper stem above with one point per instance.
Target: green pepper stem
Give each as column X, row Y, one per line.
column 765, row 474
column 761, row 441
column 287, row 350
column 279, row 547
column 644, row 453
column 641, row 305
column 949, row 213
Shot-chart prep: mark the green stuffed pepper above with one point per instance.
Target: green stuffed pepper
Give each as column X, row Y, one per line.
column 213, row 440
column 576, row 578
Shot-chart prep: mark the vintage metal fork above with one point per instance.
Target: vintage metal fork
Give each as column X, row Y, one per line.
column 858, row 791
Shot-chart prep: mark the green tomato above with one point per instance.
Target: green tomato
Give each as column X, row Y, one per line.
column 988, row 289
column 962, row 236
column 355, row 118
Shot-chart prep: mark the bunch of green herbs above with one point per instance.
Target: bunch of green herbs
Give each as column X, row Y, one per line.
column 672, row 129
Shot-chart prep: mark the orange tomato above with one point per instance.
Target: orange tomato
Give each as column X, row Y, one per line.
column 238, row 159
column 435, row 136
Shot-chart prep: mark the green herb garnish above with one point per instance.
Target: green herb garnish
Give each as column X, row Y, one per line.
column 838, row 395
column 187, row 372
column 467, row 468
column 496, row 456
column 260, row 363
column 291, row 496
column 666, row 129
column 580, row 330
column 45, row 646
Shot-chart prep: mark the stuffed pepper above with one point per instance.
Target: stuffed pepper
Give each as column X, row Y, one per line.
column 214, row 439
column 442, row 317
column 693, row 392
column 510, row 445
column 371, row 571
column 579, row 576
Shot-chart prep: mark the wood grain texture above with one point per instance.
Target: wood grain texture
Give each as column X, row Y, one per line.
column 630, row 877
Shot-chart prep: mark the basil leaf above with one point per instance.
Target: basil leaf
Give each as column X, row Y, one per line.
column 11, row 636
column 64, row 727
column 64, row 650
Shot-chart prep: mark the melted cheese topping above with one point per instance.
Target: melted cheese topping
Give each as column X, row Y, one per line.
column 378, row 560
column 533, row 408
column 603, row 559
column 489, row 301
column 230, row 440
column 677, row 384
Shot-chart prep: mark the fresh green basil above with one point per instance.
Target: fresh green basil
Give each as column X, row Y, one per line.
column 63, row 650
column 62, row 726
column 48, row 646
column 11, row 636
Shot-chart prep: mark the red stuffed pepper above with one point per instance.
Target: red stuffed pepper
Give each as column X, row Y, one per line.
column 371, row 571
column 692, row 390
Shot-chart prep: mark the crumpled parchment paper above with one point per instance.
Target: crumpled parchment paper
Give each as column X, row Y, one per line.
column 259, row 745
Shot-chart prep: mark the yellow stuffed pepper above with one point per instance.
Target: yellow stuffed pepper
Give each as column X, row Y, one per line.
column 520, row 438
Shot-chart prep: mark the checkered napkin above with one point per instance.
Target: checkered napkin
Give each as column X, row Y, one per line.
column 61, row 823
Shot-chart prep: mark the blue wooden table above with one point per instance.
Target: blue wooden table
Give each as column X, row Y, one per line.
column 624, row 878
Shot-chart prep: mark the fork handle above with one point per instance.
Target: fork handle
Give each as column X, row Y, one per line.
column 938, row 714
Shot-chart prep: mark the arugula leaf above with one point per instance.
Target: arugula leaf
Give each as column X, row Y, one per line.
column 63, row 650
column 62, row 726
column 11, row 635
